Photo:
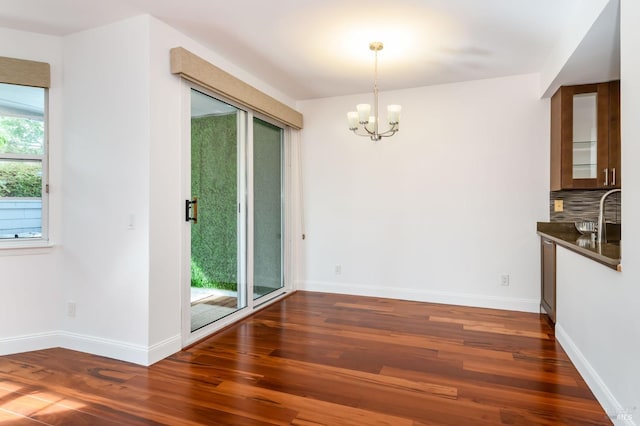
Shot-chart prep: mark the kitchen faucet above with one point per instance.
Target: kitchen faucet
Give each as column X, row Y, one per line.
column 601, row 220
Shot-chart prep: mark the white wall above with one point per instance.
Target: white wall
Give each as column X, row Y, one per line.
column 438, row 211
column 598, row 320
column 106, row 181
column 165, row 201
column 30, row 300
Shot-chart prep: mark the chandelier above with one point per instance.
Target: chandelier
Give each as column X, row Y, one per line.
column 361, row 122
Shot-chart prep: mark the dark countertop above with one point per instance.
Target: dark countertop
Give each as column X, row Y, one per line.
column 566, row 235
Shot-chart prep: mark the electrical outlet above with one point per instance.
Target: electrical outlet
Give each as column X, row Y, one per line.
column 504, row 280
column 71, row 309
column 558, row 205
column 338, row 269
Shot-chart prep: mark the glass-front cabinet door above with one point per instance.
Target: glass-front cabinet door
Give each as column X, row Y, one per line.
column 585, row 137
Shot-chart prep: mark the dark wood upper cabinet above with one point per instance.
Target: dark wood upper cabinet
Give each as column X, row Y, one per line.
column 585, row 137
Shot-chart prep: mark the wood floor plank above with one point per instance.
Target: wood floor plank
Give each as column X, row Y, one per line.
column 515, row 370
column 508, row 331
column 9, row 418
column 320, row 359
column 318, row 412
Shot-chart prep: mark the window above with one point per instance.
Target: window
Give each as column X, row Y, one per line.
column 23, row 162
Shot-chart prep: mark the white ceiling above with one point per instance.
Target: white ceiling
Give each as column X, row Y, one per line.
column 319, row 48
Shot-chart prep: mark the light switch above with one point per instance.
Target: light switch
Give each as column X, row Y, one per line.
column 558, row 205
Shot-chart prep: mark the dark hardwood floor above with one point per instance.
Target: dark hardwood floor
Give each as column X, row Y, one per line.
column 320, row 359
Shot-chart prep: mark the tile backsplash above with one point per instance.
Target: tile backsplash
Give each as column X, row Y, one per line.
column 584, row 205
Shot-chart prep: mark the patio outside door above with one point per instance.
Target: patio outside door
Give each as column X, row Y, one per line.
column 268, row 201
column 218, row 285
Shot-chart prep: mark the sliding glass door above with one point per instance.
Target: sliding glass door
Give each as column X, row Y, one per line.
column 267, row 208
column 216, row 287
column 234, row 207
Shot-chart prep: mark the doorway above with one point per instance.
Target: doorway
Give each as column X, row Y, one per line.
column 216, row 258
column 235, row 239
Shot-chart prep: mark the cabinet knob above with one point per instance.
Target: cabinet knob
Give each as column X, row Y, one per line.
column 606, row 176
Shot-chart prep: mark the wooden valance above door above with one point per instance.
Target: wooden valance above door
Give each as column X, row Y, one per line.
column 193, row 68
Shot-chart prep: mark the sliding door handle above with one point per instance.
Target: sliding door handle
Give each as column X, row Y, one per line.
column 191, row 210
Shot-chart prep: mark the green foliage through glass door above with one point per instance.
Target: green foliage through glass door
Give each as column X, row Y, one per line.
column 214, row 258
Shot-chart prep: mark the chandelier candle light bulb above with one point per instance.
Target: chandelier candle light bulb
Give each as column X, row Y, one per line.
column 361, row 122
column 371, row 124
column 393, row 114
column 364, row 111
column 352, row 116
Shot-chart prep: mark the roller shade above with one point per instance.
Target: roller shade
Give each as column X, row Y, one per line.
column 24, row 73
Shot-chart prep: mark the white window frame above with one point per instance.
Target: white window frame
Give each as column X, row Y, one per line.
column 30, row 74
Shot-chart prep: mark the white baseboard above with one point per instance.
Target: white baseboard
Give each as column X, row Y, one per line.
column 123, row 351
column 136, row 354
column 29, row 342
column 163, row 349
column 419, row 295
column 618, row 414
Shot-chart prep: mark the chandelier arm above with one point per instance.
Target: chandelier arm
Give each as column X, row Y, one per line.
column 374, row 136
column 387, row 133
column 392, row 131
column 359, row 133
column 363, row 131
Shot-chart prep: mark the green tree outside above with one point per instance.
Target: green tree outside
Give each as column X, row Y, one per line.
column 21, row 136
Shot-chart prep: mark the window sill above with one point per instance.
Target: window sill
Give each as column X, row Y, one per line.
column 19, row 248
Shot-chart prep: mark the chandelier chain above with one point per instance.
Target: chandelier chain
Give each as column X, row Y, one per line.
column 375, row 90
